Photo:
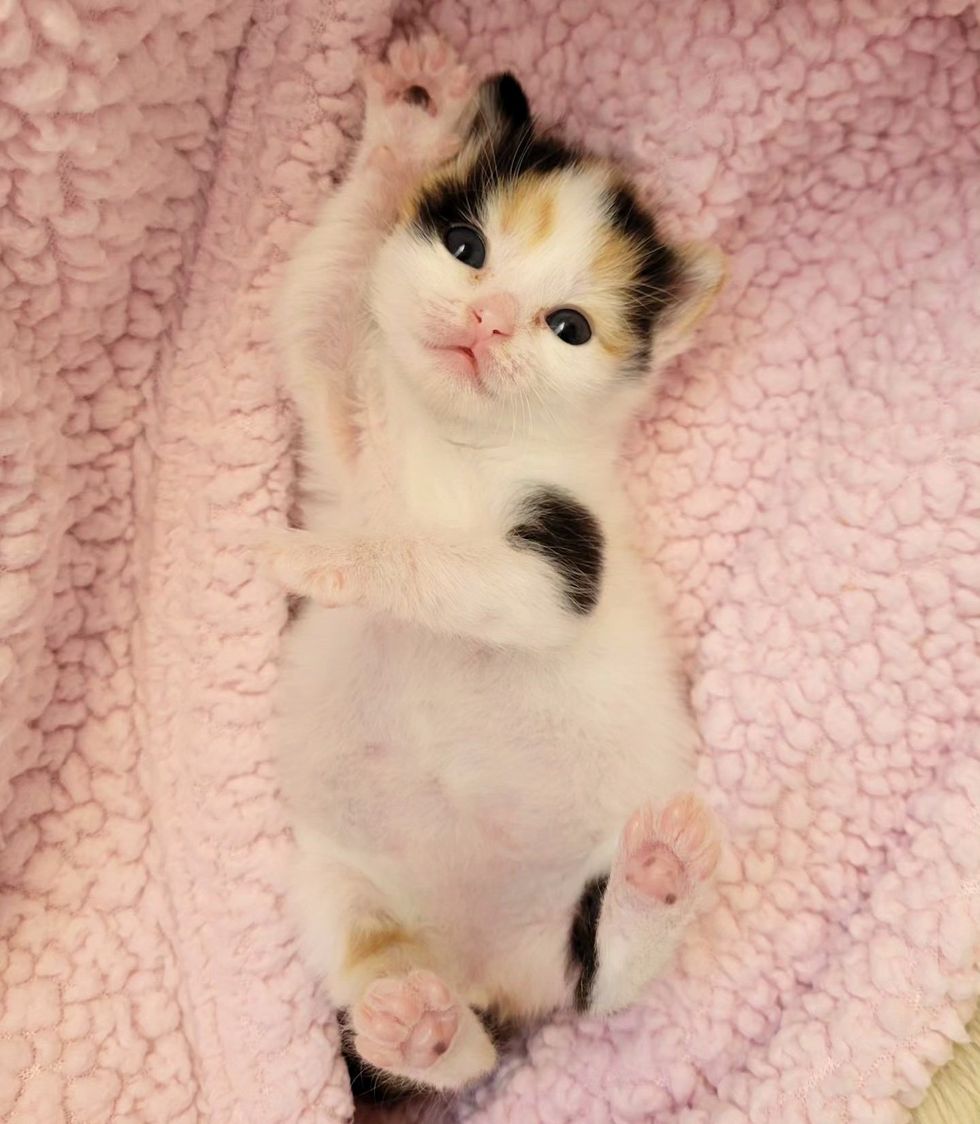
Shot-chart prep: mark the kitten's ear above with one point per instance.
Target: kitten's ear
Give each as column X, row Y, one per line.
column 501, row 110
column 702, row 274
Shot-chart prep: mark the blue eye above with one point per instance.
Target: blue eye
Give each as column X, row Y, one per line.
column 466, row 245
column 569, row 326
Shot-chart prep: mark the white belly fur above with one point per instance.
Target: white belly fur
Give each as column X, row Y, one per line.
column 476, row 789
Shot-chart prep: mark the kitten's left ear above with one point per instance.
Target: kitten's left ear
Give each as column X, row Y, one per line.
column 500, row 110
column 702, row 274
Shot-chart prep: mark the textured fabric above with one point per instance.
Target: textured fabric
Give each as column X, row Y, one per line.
column 808, row 487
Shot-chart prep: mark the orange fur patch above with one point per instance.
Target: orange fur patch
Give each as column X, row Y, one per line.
column 365, row 944
column 613, row 267
column 527, row 208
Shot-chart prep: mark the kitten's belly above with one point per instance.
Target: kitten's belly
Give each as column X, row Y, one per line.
column 453, row 775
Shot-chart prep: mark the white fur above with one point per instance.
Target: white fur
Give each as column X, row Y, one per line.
column 459, row 750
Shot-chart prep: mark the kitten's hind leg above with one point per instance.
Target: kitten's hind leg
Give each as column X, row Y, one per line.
column 402, row 1018
column 666, row 857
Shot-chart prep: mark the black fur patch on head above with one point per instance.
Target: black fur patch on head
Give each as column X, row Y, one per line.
column 506, row 148
column 658, row 278
column 583, row 956
column 568, row 536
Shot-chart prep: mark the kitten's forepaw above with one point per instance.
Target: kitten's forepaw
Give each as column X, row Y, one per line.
column 406, row 1022
column 666, row 852
column 426, row 72
column 415, row 102
column 303, row 566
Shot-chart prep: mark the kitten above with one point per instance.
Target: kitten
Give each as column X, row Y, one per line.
column 484, row 743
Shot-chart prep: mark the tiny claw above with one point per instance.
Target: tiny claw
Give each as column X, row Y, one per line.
column 436, row 54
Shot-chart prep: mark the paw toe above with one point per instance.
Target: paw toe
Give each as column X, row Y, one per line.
column 433, row 991
column 403, row 56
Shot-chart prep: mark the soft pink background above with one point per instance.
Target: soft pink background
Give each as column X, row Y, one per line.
column 809, row 486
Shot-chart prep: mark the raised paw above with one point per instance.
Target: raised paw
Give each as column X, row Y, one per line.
column 667, row 851
column 415, row 102
column 405, row 1023
column 425, row 72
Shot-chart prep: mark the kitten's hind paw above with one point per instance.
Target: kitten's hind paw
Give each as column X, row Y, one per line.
column 413, row 1026
column 667, row 851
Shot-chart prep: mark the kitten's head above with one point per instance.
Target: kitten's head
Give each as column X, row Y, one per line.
column 526, row 284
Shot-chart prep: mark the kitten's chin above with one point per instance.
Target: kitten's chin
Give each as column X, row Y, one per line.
column 450, row 383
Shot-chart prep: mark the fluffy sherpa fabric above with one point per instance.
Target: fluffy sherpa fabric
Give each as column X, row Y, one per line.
column 809, row 486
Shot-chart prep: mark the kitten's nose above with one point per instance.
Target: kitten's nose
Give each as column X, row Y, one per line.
column 494, row 316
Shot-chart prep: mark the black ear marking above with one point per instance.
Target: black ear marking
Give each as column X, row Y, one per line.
column 568, row 536
column 583, row 956
column 508, row 97
column 502, row 145
column 501, row 110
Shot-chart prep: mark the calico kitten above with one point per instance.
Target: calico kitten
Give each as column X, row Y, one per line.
column 484, row 743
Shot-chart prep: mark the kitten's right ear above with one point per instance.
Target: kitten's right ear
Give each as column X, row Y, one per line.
column 701, row 276
column 501, row 110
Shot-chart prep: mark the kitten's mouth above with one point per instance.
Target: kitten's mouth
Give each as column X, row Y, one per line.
column 463, row 361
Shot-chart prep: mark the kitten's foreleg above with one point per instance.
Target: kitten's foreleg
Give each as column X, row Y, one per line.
column 485, row 590
column 414, row 104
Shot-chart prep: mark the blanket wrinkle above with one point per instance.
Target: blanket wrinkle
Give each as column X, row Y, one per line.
column 807, row 489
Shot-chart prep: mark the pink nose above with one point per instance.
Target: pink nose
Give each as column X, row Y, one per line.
column 494, row 316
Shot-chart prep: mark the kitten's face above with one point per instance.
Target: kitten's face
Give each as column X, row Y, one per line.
column 525, row 284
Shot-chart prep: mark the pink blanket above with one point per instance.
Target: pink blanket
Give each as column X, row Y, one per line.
column 809, row 484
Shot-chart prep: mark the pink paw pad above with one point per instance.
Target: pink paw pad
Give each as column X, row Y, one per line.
column 423, row 73
column 405, row 1022
column 666, row 850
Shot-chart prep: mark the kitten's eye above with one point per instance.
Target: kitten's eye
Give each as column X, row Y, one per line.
column 466, row 245
column 569, row 326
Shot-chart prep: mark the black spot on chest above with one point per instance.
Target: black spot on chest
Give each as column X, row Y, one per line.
column 567, row 535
